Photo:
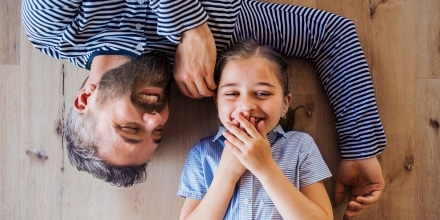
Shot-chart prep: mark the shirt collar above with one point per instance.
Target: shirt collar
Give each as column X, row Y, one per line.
column 272, row 136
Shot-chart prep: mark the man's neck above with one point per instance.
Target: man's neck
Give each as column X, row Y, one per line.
column 103, row 63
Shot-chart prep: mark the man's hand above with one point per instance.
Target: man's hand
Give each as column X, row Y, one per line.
column 195, row 62
column 365, row 179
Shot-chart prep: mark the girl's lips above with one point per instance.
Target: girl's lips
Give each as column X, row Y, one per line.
column 257, row 119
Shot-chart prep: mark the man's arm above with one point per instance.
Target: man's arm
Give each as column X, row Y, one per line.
column 45, row 22
column 185, row 23
column 344, row 72
column 331, row 43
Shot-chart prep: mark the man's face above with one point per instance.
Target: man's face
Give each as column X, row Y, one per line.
column 131, row 108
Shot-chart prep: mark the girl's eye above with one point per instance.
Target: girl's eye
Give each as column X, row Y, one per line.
column 129, row 130
column 262, row 94
column 231, row 94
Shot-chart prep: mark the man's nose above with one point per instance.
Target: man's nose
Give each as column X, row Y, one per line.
column 152, row 120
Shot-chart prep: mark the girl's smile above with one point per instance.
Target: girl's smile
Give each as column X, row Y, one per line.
column 251, row 87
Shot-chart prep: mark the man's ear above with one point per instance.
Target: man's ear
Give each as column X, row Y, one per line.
column 82, row 97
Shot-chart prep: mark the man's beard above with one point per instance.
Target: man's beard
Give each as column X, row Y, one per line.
column 147, row 70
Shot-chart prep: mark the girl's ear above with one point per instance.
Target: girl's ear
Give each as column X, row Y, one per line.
column 286, row 104
column 82, row 97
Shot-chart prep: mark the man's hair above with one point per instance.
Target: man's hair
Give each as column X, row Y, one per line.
column 81, row 142
column 81, row 150
column 250, row 48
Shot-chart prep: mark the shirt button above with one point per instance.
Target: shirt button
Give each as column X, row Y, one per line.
column 246, row 201
column 141, row 2
column 139, row 47
column 138, row 26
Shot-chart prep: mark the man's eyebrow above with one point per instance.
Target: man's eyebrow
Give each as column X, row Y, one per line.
column 130, row 140
column 125, row 139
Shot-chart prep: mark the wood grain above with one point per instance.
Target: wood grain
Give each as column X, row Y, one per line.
column 427, row 149
column 10, row 20
column 401, row 41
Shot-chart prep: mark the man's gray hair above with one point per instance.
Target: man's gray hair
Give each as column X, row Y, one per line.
column 82, row 152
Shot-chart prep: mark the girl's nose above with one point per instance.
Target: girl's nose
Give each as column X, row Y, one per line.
column 245, row 107
column 247, row 104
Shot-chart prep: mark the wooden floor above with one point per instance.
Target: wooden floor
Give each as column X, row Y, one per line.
column 401, row 40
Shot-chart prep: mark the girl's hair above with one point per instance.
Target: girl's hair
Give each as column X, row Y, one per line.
column 250, row 48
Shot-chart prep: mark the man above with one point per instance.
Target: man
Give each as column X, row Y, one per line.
column 117, row 135
column 103, row 35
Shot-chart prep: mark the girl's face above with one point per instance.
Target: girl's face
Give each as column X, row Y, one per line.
column 251, row 87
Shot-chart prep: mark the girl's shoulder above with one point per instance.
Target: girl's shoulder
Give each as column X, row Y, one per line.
column 298, row 134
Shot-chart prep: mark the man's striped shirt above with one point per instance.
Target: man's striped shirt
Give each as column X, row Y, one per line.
column 79, row 30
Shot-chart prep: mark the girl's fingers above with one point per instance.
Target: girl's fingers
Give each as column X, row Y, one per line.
column 231, row 137
column 248, row 126
column 252, row 120
column 235, row 150
column 238, row 132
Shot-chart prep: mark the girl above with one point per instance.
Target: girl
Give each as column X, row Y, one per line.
column 253, row 168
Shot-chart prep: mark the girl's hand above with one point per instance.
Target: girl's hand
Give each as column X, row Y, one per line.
column 229, row 165
column 247, row 140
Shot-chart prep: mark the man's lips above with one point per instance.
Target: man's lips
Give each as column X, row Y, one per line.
column 148, row 98
column 150, row 95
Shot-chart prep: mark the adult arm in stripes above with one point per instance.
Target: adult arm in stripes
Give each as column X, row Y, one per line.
column 186, row 24
column 331, row 43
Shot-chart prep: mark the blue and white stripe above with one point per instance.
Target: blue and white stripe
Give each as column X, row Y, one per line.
column 80, row 30
column 295, row 153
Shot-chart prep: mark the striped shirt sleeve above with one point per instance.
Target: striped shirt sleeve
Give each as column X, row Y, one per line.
column 45, row 23
column 331, row 43
column 193, row 177
column 177, row 16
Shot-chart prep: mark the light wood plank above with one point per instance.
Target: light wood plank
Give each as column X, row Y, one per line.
column 400, row 40
column 40, row 149
column 427, row 149
column 427, row 37
column 10, row 35
column 10, row 142
column 393, row 71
